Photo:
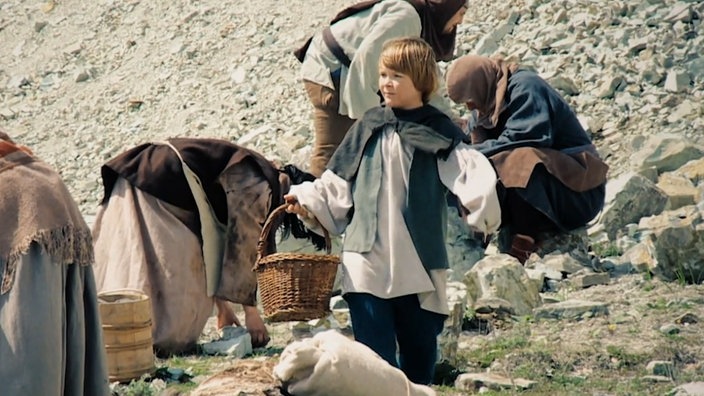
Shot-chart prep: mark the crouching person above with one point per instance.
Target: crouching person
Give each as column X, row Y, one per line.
column 51, row 341
column 551, row 176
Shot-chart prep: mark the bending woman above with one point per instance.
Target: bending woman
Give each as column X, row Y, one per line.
column 189, row 247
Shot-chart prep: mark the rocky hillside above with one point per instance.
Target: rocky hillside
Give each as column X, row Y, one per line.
column 81, row 82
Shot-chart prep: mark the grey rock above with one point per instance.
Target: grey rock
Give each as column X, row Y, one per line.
column 677, row 80
column 630, row 197
column 571, row 309
column 689, row 389
column 587, row 280
column 474, row 381
column 661, row 368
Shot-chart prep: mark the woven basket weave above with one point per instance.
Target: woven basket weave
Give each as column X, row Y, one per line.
column 294, row 286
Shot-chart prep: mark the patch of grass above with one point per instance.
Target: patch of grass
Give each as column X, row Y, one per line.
column 136, row 388
column 571, row 385
column 537, row 362
column 268, row 352
column 567, row 381
column 196, row 364
column 496, row 349
column 525, row 320
column 648, row 286
column 633, row 330
column 684, row 274
column 612, row 385
column 659, row 304
column 624, row 358
column 563, row 369
column 674, row 337
column 192, row 365
column 662, row 304
column 606, row 249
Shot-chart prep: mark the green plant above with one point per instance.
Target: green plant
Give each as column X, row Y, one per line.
column 469, row 314
column 659, row 304
column 566, row 380
column 684, row 274
column 625, row 359
column 606, row 249
column 194, row 365
column 648, row 286
column 674, row 337
column 524, row 319
column 136, row 388
column 269, row 352
column 634, row 330
column 497, row 349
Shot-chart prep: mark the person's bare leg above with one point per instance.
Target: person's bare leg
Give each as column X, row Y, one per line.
column 226, row 315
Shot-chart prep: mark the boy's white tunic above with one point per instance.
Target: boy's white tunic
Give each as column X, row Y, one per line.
column 392, row 268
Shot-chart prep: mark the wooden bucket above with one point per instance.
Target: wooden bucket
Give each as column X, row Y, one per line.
column 127, row 333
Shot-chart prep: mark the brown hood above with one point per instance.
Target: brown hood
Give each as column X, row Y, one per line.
column 481, row 80
column 37, row 208
column 434, row 15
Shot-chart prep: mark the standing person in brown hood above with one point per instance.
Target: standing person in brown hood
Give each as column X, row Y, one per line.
column 340, row 64
column 551, row 177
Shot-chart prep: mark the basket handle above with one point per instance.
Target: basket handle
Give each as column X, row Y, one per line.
column 268, row 225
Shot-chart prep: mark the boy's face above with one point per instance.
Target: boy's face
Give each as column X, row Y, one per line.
column 398, row 90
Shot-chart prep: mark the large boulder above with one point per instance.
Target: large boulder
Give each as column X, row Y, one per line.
column 502, row 277
column 676, row 239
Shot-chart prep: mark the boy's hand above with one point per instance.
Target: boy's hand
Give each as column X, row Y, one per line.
column 461, row 123
column 295, row 207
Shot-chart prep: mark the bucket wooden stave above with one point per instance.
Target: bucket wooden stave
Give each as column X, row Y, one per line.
column 127, row 333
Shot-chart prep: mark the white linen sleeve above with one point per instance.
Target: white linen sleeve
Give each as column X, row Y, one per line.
column 362, row 78
column 469, row 175
column 328, row 198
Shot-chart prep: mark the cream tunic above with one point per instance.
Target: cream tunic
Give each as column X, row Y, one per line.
column 392, row 267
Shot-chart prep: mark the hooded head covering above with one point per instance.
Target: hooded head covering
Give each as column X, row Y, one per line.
column 434, row 15
column 37, row 208
column 481, row 80
column 7, row 145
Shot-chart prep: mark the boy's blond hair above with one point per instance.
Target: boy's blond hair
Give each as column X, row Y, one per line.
column 415, row 58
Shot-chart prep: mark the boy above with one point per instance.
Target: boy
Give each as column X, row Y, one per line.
column 385, row 189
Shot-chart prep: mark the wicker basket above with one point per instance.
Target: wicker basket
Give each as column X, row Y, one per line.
column 294, row 286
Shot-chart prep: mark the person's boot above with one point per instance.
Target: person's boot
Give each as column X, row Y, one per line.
column 522, row 246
